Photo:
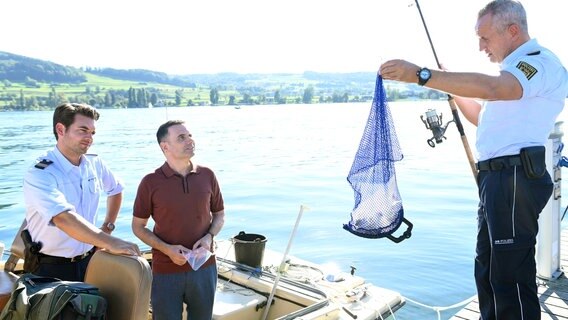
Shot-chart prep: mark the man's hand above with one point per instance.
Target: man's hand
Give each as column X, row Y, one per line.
column 119, row 246
column 399, row 70
column 206, row 242
column 176, row 254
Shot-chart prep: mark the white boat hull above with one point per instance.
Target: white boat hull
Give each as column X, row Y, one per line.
column 302, row 292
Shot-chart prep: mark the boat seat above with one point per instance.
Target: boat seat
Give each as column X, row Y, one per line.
column 7, row 276
column 15, row 260
column 124, row 281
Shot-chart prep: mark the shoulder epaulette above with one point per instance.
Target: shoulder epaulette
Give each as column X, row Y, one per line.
column 536, row 53
column 43, row 164
column 91, row 154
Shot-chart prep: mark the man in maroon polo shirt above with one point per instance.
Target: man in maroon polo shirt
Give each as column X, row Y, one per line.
column 185, row 202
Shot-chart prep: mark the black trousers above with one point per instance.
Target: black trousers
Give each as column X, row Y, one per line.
column 505, row 267
column 70, row 271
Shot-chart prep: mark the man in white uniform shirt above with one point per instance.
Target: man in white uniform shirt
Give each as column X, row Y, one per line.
column 521, row 107
column 62, row 192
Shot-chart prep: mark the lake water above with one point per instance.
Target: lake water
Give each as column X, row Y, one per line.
column 269, row 160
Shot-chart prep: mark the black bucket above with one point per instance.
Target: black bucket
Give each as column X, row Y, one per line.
column 249, row 248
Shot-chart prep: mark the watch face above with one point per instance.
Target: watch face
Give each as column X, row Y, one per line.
column 424, row 74
column 110, row 226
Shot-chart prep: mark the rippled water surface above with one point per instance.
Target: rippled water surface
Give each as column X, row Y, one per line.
column 270, row 160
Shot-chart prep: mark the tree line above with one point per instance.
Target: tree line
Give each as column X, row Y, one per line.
column 145, row 97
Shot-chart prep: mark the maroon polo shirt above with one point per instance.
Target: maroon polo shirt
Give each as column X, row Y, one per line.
column 181, row 209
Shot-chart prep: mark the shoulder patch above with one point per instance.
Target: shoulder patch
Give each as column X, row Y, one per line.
column 43, row 164
column 527, row 69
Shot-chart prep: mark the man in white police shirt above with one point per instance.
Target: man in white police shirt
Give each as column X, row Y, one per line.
column 62, row 192
column 521, row 105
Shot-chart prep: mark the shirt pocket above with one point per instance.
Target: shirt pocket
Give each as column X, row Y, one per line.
column 94, row 185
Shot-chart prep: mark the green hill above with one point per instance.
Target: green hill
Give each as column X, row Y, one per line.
column 17, row 68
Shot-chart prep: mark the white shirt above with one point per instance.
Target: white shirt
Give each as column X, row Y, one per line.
column 62, row 186
column 504, row 127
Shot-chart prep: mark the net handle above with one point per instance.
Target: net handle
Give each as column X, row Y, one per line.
column 405, row 235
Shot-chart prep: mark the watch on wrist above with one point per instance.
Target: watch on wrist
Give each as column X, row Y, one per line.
column 109, row 225
column 423, row 75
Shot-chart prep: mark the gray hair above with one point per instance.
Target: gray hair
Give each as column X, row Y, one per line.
column 506, row 13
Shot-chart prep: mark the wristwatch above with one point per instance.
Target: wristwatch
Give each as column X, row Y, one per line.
column 109, row 225
column 423, row 75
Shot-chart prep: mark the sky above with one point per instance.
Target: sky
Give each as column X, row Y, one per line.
column 260, row 36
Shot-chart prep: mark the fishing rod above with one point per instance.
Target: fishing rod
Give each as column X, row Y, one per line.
column 435, row 124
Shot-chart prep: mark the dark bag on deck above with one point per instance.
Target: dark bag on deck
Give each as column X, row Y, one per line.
column 36, row 297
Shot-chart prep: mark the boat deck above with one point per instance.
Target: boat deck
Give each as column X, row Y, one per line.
column 553, row 295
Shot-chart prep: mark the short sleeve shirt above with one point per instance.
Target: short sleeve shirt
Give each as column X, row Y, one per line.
column 61, row 186
column 181, row 208
column 504, row 127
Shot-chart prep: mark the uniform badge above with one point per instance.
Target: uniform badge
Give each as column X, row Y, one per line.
column 43, row 164
column 527, row 69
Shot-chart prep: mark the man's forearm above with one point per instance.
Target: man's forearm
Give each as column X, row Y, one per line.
column 150, row 239
column 80, row 229
column 217, row 222
column 469, row 108
column 113, row 207
column 464, row 84
column 476, row 85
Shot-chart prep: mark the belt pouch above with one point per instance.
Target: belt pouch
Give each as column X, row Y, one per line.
column 533, row 159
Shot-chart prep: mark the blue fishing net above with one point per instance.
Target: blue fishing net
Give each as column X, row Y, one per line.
column 378, row 208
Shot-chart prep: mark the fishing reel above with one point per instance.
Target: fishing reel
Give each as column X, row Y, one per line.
column 434, row 122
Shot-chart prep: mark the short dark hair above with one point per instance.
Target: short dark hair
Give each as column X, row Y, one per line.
column 506, row 12
column 163, row 129
column 65, row 114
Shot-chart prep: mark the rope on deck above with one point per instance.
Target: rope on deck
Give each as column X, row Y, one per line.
column 440, row 309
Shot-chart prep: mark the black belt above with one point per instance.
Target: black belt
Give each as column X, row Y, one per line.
column 499, row 163
column 44, row 258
